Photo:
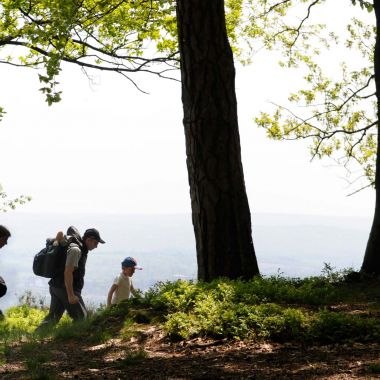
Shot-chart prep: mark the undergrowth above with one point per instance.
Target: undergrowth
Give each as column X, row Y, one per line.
column 271, row 308
column 274, row 308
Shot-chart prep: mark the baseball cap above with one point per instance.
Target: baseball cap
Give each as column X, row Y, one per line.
column 93, row 233
column 130, row 262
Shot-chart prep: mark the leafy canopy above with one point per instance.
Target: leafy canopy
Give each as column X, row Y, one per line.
column 124, row 36
column 112, row 35
column 338, row 116
column 129, row 36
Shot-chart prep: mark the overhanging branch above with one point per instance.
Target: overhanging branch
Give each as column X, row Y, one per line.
column 117, row 67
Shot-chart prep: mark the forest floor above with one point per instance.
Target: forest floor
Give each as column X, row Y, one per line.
column 148, row 354
column 128, row 340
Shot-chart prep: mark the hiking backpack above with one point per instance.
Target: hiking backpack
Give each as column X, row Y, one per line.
column 50, row 261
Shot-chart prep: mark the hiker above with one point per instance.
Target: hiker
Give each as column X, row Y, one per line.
column 122, row 286
column 4, row 236
column 65, row 289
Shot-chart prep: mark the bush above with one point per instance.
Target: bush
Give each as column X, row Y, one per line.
column 20, row 320
column 330, row 327
column 172, row 296
column 133, row 357
column 273, row 308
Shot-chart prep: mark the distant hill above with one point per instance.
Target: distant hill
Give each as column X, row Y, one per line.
column 295, row 245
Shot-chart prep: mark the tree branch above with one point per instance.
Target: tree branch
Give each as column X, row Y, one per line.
column 140, row 67
column 362, row 188
column 298, row 29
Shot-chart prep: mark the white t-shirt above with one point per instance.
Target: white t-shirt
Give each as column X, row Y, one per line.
column 123, row 290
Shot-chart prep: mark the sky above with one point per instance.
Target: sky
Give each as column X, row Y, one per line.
column 108, row 148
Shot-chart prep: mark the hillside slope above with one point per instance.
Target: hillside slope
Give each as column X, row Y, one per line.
column 335, row 335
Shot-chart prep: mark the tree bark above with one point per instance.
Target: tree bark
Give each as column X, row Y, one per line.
column 371, row 262
column 220, row 210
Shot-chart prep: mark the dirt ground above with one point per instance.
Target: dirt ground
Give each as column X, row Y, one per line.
column 194, row 359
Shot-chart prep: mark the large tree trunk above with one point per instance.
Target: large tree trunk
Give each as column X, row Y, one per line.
column 220, row 210
column 371, row 262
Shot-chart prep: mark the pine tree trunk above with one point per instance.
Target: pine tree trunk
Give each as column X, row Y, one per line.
column 371, row 262
column 220, row 210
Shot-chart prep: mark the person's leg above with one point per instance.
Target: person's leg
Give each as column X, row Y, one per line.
column 60, row 303
column 56, row 309
column 78, row 310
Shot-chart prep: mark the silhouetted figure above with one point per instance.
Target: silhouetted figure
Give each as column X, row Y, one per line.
column 65, row 289
column 4, row 236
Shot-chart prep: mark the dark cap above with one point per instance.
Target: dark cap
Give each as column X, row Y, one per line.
column 130, row 262
column 93, row 233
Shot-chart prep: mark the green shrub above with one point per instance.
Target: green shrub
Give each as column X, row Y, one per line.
column 128, row 330
column 240, row 321
column 181, row 325
column 273, row 308
column 19, row 321
column 172, row 296
column 182, row 295
column 330, row 327
column 133, row 357
column 284, row 325
column 374, row 368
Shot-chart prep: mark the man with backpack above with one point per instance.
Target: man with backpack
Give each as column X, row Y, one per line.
column 66, row 287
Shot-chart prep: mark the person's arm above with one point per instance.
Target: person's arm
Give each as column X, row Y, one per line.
column 133, row 291
column 72, row 261
column 69, row 285
column 110, row 294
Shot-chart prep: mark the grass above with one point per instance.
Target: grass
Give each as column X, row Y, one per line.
column 334, row 308
column 128, row 330
column 272, row 308
column 35, row 359
column 132, row 357
column 374, row 368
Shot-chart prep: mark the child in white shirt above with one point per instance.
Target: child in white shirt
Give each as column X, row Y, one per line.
column 122, row 286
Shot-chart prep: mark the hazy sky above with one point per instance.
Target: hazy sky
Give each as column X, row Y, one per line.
column 107, row 148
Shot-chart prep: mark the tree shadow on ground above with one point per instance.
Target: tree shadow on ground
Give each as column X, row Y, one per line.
column 150, row 356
